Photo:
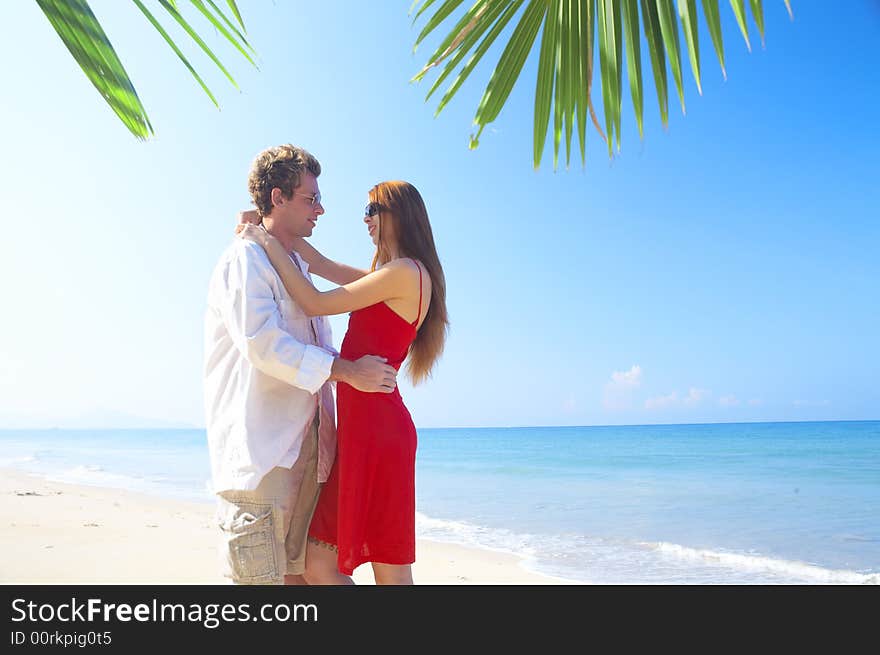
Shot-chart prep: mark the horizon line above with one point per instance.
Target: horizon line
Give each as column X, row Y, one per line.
column 489, row 427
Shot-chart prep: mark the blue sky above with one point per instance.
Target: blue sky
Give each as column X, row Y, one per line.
column 722, row 270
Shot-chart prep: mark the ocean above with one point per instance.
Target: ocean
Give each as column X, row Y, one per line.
column 745, row 503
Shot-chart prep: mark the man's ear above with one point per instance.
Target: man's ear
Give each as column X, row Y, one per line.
column 277, row 196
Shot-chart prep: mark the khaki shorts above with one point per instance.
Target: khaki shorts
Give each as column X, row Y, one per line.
column 264, row 531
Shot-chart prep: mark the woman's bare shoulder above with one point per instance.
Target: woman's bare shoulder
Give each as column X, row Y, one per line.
column 413, row 271
column 405, row 265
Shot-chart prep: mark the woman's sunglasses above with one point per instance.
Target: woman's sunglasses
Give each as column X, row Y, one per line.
column 373, row 208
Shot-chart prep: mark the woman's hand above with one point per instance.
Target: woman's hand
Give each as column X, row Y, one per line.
column 254, row 233
column 249, row 216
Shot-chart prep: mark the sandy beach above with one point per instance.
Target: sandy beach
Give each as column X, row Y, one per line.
column 56, row 533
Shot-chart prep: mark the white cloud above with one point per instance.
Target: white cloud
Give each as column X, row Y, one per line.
column 756, row 402
column 617, row 393
column 662, row 402
column 729, row 401
column 628, row 379
column 695, row 396
column 810, row 403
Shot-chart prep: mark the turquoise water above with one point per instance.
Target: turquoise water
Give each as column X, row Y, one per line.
column 722, row 503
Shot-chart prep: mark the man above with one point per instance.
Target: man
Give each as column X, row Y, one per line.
column 268, row 402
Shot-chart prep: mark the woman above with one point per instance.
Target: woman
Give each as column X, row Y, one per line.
column 366, row 512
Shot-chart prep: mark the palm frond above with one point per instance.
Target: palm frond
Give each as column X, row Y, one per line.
column 739, row 10
column 654, row 37
column 238, row 41
column 634, row 58
column 669, row 30
column 567, row 30
column 235, row 12
column 713, row 18
column 82, row 34
column 758, row 15
column 86, row 40
column 508, row 69
column 687, row 9
column 609, row 65
column 176, row 50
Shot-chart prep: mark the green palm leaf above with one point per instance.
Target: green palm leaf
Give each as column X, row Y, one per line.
column 508, row 68
column 669, row 29
column 713, row 18
column 654, row 38
column 564, row 110
column 237, row 41
column 176, row 50
column 461, row 39
column 171, row 9
column 687, row 9
column 425, row 6
column 583, row 45
column 84, row 37
column 634, row 58
column 235, row 12
column 618, row 55
column 563, row 85
column 82, row 34
column 544, row 88
column 573, row 57
column 758, row 14
column 609, row 64
column 739, row 9
column 498, row 26
column 448, row 7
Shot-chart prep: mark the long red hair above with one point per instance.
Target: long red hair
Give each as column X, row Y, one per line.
column 401, row 204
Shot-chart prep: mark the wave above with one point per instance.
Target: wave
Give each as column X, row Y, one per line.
column 95, row 476
column 471, row 534
column 582, row 558
column 760, row 563
column 498, row 540
column 17, row 461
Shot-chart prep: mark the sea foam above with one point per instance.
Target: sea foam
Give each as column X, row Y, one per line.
column 759, row 563
column 594, row 559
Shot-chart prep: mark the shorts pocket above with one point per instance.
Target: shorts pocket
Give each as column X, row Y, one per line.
column 248, row 529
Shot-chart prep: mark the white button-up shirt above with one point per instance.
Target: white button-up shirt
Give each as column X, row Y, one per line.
column 266, row 370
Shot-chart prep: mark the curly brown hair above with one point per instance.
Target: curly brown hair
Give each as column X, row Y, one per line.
column 279, row 167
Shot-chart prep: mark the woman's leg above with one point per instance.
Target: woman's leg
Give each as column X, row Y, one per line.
column 321, row 565
column 392, row 574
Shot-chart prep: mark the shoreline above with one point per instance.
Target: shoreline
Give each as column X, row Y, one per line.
column 62, row 533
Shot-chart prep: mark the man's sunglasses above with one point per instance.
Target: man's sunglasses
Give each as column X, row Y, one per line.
column 315, row 199
column 373, row 208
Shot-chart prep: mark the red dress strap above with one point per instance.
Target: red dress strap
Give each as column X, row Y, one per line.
column 416, row 322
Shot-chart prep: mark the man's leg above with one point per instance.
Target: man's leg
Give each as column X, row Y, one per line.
column 265, row 529
column 250, row 526
column 305, row 498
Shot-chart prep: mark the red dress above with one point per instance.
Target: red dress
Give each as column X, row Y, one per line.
column 367, row 506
